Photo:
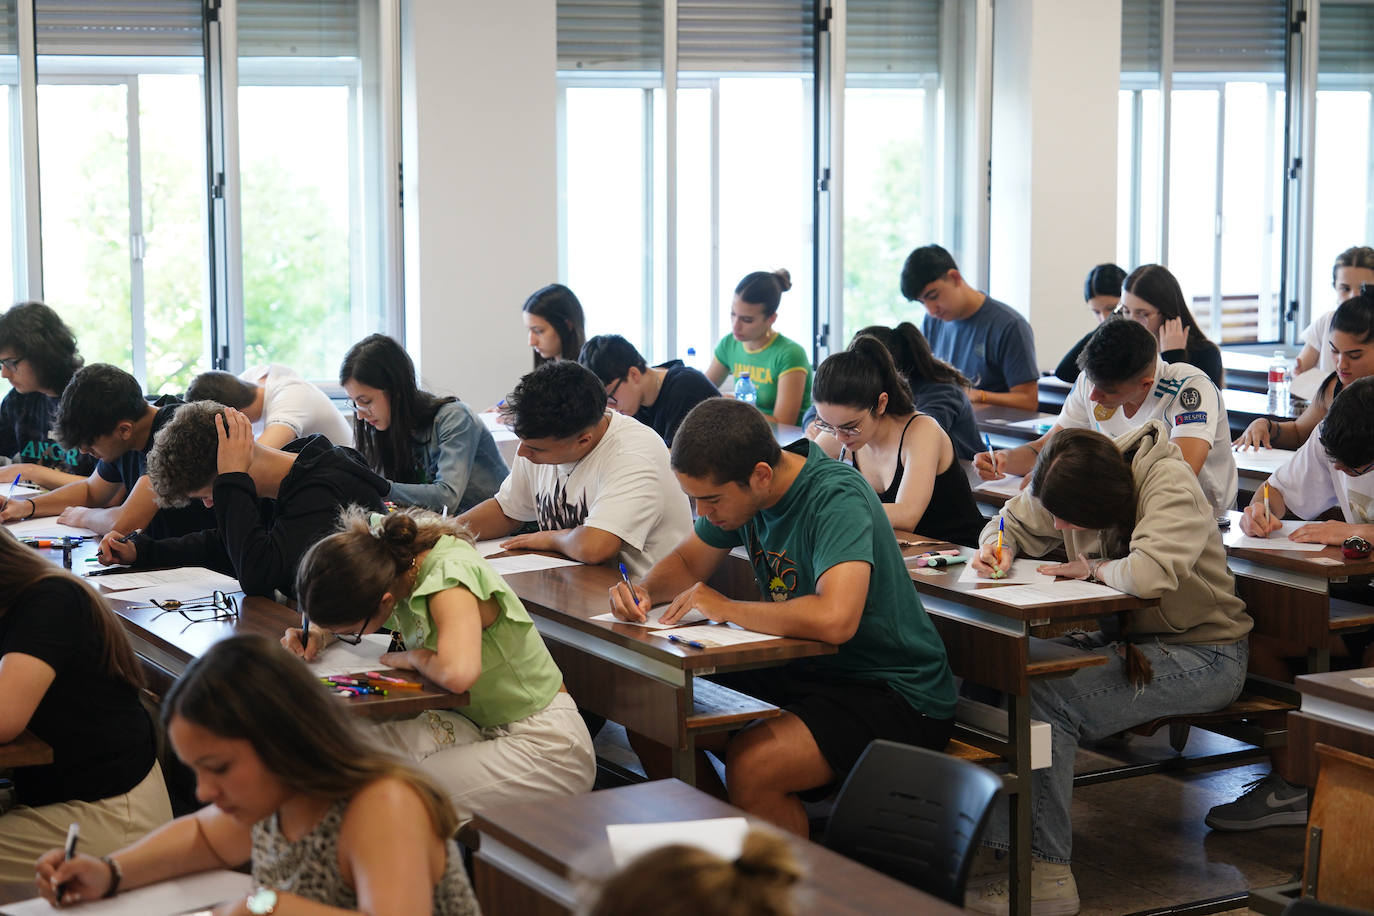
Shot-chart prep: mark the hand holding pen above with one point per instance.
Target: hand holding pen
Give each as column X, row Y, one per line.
column 986, row 564
column 629, row 601
column 118, row 548
column 988, row 464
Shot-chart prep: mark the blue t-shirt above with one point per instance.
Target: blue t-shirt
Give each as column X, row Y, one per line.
column 133, row 464
column 994, row 346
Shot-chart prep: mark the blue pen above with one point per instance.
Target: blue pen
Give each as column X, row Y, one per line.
column 625, row 574
column 686, row 642
column 13, row 483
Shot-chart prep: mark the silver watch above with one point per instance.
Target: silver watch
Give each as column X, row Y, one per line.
column 262, row 902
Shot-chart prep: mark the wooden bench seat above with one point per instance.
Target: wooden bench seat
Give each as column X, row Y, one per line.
column 1053, row 659
column 1265, row 712
column 1349, row 615
column 971, row 753
column 716, row 708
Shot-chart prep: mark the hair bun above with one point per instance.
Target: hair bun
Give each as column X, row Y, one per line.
column 397, row 533
column 784, row 278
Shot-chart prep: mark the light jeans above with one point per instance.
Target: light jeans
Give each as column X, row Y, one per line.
column 1097, row 702
column 545, row 755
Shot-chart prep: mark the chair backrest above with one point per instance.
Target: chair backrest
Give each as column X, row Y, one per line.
column 913, row 814
column 1309, row 906
column 1340, row 845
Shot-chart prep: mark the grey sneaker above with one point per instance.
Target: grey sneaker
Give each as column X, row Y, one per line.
column 1053, row 893
column 1270, row 801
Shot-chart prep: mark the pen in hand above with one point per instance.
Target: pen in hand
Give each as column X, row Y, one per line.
column 73, row 834
column 305, row 632
column 1267, row 515
column 13, row 483
column 625, row 575
column 992, row 457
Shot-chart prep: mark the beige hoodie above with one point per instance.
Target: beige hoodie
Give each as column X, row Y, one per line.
column 1176, row 554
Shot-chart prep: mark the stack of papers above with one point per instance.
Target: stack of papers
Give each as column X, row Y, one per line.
column 1008, row 486
column 714, row 635
column 194, row 581
column 1050, row 592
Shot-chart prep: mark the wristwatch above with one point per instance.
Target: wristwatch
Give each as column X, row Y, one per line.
column 262, row 902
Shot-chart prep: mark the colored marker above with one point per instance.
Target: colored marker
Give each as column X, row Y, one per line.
column 686, row 642
column 938, row 562
column 948, row 552
column 395, row 681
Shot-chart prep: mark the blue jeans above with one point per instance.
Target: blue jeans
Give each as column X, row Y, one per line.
column 1100, row 701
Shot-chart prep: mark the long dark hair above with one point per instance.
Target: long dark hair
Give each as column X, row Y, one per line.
column 22, row 567
column 1157, row 286
column 380, row 362
column 557, row 305
column 35, row 332
column 911, row 354
column 1103, row 280
column 858, row 376
column 240, row 689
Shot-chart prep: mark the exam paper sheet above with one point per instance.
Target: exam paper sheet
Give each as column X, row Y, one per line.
column 1022, row 572
column 715, row 635
column 528, row 562
column 653, row 622
column 166, row 898
column 1050, row 592
column 46, row 527
column 341, row 658
column 723, row 836
column 197, row 579
column 1279, row 540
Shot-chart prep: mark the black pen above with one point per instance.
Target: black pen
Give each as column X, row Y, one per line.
column 73, row 834
column 129, row 537
column 305, row 631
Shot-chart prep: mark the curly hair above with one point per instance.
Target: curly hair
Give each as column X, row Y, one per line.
column 559, row 399
column 36, row 333
column 361, row 561
column 185, row 455
column 97, row 399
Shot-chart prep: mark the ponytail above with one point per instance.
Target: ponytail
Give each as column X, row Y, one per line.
column 858, row 376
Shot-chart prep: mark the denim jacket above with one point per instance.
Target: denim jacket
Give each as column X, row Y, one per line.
column 459, row 460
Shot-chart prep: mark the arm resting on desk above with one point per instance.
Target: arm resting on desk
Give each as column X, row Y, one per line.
column 488, row 521
column 1025, row 396
column 457, row 664
column 585, row 543
column 830, row 615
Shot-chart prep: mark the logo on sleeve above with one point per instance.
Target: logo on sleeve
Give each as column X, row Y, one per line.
column 1190, row 399
column 1196, row 416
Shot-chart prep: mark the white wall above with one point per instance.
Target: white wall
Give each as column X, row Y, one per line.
column 480, row 184
column 1056, row 68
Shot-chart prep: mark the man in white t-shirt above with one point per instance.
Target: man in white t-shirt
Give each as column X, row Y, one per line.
column 597, row 483
column 280, row 403
column 1123, row 384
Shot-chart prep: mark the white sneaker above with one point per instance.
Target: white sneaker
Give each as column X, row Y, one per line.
column 987, row 866
column 1053, row 893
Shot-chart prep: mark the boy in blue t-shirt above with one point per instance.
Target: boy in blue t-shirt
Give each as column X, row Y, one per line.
column 828, row 569
column 988, row 341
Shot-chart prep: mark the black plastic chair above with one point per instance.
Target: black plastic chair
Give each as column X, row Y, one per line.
column 1309, row 906
column 913, row 814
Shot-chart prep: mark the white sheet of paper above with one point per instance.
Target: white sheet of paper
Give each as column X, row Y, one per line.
column 1263, row 459
column 39, row 527
column 1007, row 486
column 723, row 836
column 1022, row 572
column 1306, row 384
column 487, row 548
column 1050, row 592
column 166, row 898
column 1034, row 423
column 192, row 577
column 742, row 552
column 655, row 612
column 1279, row 540
column 714, row 634
column 18, row 490
column 528, row 562
column 158, row 593
column 341, row 658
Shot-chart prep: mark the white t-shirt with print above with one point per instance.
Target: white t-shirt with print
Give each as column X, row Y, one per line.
column 1188, row 403
column 1315, row 335
column 296, row 403
column 623, row 486
column 1311, row 484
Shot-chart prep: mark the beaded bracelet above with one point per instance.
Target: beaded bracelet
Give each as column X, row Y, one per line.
column 116, row 875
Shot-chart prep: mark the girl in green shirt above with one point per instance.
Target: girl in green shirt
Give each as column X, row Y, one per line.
column 779, row 368
column 520, row 736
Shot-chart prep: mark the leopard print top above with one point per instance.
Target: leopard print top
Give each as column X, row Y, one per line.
column 309, row 867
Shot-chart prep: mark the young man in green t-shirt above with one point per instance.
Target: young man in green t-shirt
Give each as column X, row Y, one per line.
column 829, row 569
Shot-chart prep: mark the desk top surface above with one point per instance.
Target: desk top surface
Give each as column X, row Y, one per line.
column 568, row 836
column 27, row 750
column 1326, row 563
column 1340, row 687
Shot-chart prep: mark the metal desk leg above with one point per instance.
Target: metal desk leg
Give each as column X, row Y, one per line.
column 1018, row 724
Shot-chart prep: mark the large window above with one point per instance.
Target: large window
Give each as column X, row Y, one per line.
column 198, row 206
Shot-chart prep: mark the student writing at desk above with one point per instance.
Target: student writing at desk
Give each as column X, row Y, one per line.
column 38, row 357
column 329, row 823
column 1126, row 384
column 68, row 675
column 1129, row 513
column 1330, row 471
column 828, row 569
column 269, row 505
column 596, row 482
column 102, row 412
column 520, row 737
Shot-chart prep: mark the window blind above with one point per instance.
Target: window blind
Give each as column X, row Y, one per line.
column 118, row 27
column 1230, row 36
column 298, row 28
column 9, row 42
column 892, row 36
column 610, row 35
column 1345, row 39
column 759, row 35
column 1140, row 41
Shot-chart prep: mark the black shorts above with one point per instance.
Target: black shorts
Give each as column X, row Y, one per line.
column 842, row 716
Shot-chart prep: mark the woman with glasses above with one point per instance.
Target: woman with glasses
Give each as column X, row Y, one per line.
column 1102, row 293
column 436, row 452
column 520, row 736
column 69, row 677
column 329, row 823
column 1151, row 296
column 864, row 411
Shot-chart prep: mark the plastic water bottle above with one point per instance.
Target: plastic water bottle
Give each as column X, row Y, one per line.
column 1278, row 384
column 745, row 390
column 692, row 359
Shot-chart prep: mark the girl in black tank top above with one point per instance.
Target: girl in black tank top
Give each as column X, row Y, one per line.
column 864, row 406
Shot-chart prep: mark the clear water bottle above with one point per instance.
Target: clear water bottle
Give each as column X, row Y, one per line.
column 1278, row 384
column 745, row 390
column 691, row 359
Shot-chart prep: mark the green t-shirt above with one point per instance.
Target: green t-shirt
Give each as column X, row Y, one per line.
column 767, row 366
column 519, row 677
column 830, row 515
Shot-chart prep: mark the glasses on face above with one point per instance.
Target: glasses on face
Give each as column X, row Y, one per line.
column 1355, row 472
column 215, row 606
column 10, row 363
column 847, row 429
column 354, row 638
column 610, row 393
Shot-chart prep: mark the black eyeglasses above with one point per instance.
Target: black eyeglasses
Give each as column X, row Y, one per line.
column 355, row 638
column 10, row 363
column 215, row 606
column 610, row 392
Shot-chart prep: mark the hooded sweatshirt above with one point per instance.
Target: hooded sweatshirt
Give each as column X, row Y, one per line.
column 261, row 541
column 1176, row 555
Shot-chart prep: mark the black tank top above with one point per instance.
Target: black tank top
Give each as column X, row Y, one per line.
column 951, row 514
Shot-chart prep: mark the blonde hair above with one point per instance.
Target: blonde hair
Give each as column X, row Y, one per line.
column 681, row 880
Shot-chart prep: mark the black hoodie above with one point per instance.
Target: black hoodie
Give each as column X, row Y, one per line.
column 261, row 541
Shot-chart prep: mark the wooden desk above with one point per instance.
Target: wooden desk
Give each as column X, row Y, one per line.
column 533, row 857
column 994, row 421
column 620, row 671
column 1287, row 591
column 1336, row 711
column 28, row 750
column 1053, row 392
column 1244, row 407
